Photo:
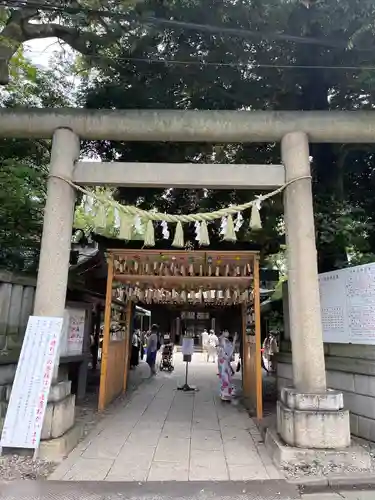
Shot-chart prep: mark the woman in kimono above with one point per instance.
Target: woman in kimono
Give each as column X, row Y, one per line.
column 225, row 354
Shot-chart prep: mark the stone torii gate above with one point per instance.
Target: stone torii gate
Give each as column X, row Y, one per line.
column 309, row 415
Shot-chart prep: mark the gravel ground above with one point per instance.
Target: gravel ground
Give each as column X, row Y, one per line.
column 319, row 470
column 14, row 466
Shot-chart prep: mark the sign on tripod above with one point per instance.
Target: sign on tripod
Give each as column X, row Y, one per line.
column 32, row 383
column 187, row 348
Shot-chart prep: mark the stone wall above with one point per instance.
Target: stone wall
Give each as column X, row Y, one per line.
column 16, row 305
column 350, row 369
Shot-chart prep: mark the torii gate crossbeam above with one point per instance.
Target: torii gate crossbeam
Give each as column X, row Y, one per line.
column 190, row 126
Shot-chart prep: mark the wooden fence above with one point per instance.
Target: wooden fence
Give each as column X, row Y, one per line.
column 16, row 304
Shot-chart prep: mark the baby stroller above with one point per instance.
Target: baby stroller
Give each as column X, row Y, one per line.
column 166, row 362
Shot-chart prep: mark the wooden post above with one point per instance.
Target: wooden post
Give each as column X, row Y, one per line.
column 258, row 342
column 127, row 343
column 106, row 337
column 245, row 355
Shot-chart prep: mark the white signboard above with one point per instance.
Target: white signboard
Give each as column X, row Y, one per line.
column 76, row 330
column 187, row 346
column 28, row 399
column 72, row 344
column 347, row 301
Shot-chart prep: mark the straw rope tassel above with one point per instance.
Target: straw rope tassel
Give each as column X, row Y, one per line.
column 125, row 231
column 149, row 240
column 255, row 220
column 178, row 241
column 101, row 217
column 230, row 234
column 204, row 239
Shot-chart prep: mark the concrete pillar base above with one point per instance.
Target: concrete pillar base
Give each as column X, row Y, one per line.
column 60, row 433
column 355, row 457
column 315, row 421
column 55, row 450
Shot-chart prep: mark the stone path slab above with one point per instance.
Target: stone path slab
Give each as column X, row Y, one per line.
column 162, row 434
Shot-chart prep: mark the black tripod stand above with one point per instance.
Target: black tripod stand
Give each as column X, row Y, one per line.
column 186, row 387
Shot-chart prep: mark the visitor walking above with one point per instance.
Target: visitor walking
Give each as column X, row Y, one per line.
column 212, row 344
column 225, row 353
column 152, row 348
column 204, row 337
column 136, row 343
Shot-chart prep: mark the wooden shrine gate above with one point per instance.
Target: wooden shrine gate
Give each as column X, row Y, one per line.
column 181, row 277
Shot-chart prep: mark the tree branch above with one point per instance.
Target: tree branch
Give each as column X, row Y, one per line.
column 19, row 30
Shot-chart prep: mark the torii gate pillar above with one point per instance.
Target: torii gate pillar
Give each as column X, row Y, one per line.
column 57, row 226
column 309, row 415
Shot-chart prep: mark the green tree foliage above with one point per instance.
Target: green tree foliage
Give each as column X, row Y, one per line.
column 24, row 167
column 249, row 54
column 188, row 68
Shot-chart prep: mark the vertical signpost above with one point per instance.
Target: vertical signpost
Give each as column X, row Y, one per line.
column 32, row 383
column 187, row 353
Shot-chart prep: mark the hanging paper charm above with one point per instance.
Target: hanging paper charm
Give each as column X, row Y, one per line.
column 197, row 226
column 238, row 223
column 230, row 234
column 223, row 226
column 165, row 230
column 255, row 220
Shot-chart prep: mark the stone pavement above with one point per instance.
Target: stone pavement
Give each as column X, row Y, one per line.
column 341, row 495
column 162, row 434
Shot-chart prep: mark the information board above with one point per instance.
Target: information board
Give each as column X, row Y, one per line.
column 347, row 300
column 187, row 346
column 72, row 340
column 76, row 331
column 32, row 383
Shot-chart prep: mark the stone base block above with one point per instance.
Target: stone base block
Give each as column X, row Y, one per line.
column 354, row 456
column 307, row 420
column 59, row 391
column 313, row 429
column 329, row 401
column 59, row 417
column 55, row 450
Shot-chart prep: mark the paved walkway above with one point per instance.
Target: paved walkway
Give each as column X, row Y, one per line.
column 163, row 434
